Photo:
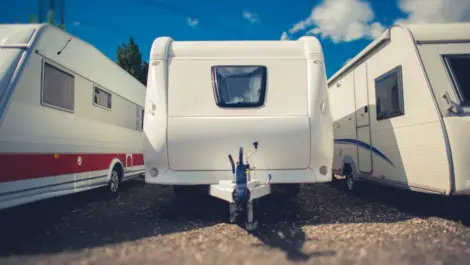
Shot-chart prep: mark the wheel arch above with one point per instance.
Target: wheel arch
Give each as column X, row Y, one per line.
column 116, row 162
column 348, row 161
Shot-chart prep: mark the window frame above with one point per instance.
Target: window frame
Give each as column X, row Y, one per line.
column 43, row 85
column 140, row 111
column 401, row 100
column 105, row 91
column 451, row 74
column 263, row 93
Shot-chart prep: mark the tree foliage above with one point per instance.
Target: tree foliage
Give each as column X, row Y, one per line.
column 50, row 19
column 130, row 59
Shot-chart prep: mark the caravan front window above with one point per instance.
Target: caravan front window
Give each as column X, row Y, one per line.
column 239, row 86
column 389, row 94
column 457, row 67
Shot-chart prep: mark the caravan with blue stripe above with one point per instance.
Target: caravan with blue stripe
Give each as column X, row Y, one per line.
column 401, row 110
column 365, row 146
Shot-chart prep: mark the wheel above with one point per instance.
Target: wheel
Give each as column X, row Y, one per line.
column 350, row 181
column 114, row 182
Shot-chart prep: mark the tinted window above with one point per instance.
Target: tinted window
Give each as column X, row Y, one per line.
column 102, row 98
column 389, row 94
column 239, row 86
column 140, row 118
column 58, row 88
column 458, row 67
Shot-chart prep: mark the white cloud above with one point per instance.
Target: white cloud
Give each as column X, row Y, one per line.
column 76, row 23
column 284, row 36
column 250, row 17
column 340, row 20
column 193, row 22
column 301, row 25
column 434, row 11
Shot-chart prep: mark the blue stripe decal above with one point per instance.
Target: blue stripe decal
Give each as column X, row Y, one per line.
column 365, row 146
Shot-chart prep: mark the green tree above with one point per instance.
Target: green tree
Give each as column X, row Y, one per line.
column 50, row 19
column 130, row 59
column 50, row 14
column 32, row 19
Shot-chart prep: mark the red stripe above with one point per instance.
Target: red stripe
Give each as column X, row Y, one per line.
column 30, row 166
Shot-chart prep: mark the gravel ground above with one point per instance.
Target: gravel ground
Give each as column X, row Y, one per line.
column 327, row 225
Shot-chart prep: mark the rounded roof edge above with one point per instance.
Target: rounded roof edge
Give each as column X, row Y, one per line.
column 437, row 31
column 312, row 45
column 160, row 48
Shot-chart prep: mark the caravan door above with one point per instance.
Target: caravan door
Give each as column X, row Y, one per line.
column 361, row 91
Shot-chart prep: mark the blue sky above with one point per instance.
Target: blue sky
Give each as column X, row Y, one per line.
column 343, row 26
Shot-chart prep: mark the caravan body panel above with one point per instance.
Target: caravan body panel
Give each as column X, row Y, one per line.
column 197, row 112
column 446, row 62
column 412, row 144
column 57, row 134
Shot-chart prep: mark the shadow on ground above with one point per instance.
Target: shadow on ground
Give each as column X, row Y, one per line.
column 89, row 219
column 416, row 204
column 281, row 228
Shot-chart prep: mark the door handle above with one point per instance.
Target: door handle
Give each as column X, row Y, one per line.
column 366, row 109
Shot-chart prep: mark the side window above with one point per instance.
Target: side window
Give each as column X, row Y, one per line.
column 58, row 89
column 102, row 98
column 142, row 115
column 140, row 118
column 239, row 86
column 389, row 94
column 457, row 67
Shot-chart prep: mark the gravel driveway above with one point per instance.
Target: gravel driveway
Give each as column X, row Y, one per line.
column 143, row 225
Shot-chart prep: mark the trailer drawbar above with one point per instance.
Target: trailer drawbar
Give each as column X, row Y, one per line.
column 241, row 191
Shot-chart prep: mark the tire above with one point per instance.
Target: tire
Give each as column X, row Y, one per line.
column 350, row 182
column 114, row 182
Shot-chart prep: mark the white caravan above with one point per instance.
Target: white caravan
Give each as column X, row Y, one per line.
column 401, row 110
column 206, row 99
column 71, row 119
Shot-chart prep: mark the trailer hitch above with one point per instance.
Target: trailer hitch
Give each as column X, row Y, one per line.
column 241, row 193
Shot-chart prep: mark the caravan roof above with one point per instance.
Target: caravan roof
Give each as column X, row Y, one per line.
column 421, row 33
column 305, row 47
column 27, row 35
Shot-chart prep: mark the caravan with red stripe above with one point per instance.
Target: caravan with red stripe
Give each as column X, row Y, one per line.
column 70, row 118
